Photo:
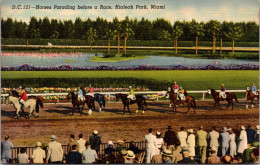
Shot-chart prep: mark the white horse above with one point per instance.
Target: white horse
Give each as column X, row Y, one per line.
column 32, row 103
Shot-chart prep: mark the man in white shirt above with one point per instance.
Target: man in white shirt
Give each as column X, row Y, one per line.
column 213, row 136
column 38, row 154
column 89, row 155
column 55, row 151
column 151, row 140
column 182, row 136
column 82, row 143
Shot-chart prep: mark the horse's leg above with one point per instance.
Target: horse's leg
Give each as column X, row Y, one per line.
column 73, row 109
column 193, row 106
column 100, row 106
column 128, row 109
column 17, row 113
column 219, row 105
column 246, row 103
column 215, row 105
column 252, row 102
column 124, row 109
column 229, row 102
column 189, row 105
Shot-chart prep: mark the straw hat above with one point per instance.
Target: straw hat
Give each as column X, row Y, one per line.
column 120, row 141
column 123, row 152
column 95, row 132
column 53, row 137
column 110, row 143
column 242, row 127
column 185, row 149
column 130, row 154
column 38, row 144
column 167, row 153
column 190, row 130
column 213, row 148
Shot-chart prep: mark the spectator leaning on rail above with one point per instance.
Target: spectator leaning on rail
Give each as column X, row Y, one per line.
column 109, row 150
column 95, row 141
column 6, row 149
column 157, row 159
column 72, row 142
column 81, row 143
column 22, row 156
column 74, row 157
column 55, row 151
column 38, row 154
column 89, row 155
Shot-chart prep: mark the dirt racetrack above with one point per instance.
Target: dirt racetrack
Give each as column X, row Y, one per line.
column 112, row 125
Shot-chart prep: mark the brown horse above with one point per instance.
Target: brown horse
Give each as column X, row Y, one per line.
column 229, row 98
column 188, row 99
column 140, row 100
column 89, row 100
column 250, row 96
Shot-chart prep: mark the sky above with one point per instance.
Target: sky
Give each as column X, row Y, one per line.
column 200, row 10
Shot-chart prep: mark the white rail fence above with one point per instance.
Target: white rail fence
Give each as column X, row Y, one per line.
column 203, row 92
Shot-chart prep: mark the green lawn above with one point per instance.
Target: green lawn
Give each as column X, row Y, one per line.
column 117, row 58
column 189, row 79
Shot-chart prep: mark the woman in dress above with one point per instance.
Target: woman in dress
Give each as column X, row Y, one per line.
column 233, row 146
column 191, row 143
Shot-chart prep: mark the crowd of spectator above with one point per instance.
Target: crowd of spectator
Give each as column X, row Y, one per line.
column 29, row 67
column 181, row 147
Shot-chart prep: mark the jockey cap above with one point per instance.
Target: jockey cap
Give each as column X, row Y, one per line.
column 222, row 84
column 175, row 82
column 130, row 87
column 20, row 87
column 253, row 84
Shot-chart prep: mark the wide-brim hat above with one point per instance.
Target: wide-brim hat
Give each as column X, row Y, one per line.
column 242, row 127
column 95, row 132
column 53, row 137
column 110, row 143
column 169, row 127
column 213, row 148
column 190, row 130
column 123, row 152
column 130, row 154
column 120, row 141
column 158, row 133
column 185, row 149
column 167, row 153
column 38, row 144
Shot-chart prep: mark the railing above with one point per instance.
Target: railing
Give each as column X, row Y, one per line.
column 103, row 146
column 3, row 96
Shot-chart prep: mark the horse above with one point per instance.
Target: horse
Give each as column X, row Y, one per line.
column 89, row 100
column 170, row 90
column 250, row 96
column 229, row 98
column 188, row 99
column 140, row 100
column 100, row 99
column 32, row 103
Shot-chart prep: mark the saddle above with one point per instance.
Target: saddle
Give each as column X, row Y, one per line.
column 181, row 96
column 222, row 95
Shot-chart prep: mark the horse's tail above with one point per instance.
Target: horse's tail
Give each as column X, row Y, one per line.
column 103, row 100
column 145, row 102
column 194, row 102
column 235, row 97
column 38, row 103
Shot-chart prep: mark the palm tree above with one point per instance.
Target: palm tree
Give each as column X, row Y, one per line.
column 117, row 26
column 214, row 27
column 110, row 35
column 198, row 30
column 164, row 35
column 234, row 33
column 90, row 36
column 127, row 32
column 177, row 32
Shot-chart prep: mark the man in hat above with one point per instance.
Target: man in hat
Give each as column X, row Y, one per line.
column 38, row 154
column 151, row 144
column 157, row 159
column 201, row 137
column 250, row 135
column 55, row 151
column 242, row 144
column 109, row 150
column 213, row 136
column 182, row 136
column 130, row 157
column 89, row 155
column 72, row 142
column 133, row 147
column 186, row 157
column 191, row 143
column 81, row 143
column 159, row 142
column 121, row 157
column 224, row 139
column 6, row 150
column 131, row 93
column 120, row 147
column 213, row 158
column 176, row 152
column 166, row 156
column 170, row 136
column 95, row 141
column 74, row 157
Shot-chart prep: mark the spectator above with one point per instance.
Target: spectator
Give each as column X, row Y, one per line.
column 6, row 149
column 133, row 147
column 157, row 159
column 55, row 151
column 213, row 158
column 89, row 155
column 130, row 157
column 95, row 141
column 176, row 154
column 201, row 137
column 72, row 142
column 250, row 135
column 38, row 154
column 256, row 137
column 159, row 142
column 224, row 138
column 109, row 150
column 191, row 143
column 170, row 136
column 182, row 136
column 242, row 144
column 213, row 136
column 247, row 154
column 151, row 144
column 122, row 157
column 74, row 157
column 233, row 146
column 81, row 143
column 23, row 157
column 255, row 153
column 186, row 157
column 166, row 156
column 227, row 159
column 120, row 147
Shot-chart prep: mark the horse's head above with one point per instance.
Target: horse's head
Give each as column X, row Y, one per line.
column 247, row 88
column 69, row 96
column 117, row 96
column 169, row 89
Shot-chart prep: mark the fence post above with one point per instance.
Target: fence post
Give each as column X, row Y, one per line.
column 203, row 96
column 157, row 96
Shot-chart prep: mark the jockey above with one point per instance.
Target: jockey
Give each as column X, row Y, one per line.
column 91, row 91
column 223, row 90
column 181, row 93
column 80, row 94
column 175, row 87
column 131, row 94
column 253, row 89
column 23, row 96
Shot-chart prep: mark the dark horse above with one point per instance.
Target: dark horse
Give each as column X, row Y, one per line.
column 188, row 99
column 140, row 100
column 250, row 96
column 100, row 99
column 89, row 100
column 229, row 97
column 38, row 100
